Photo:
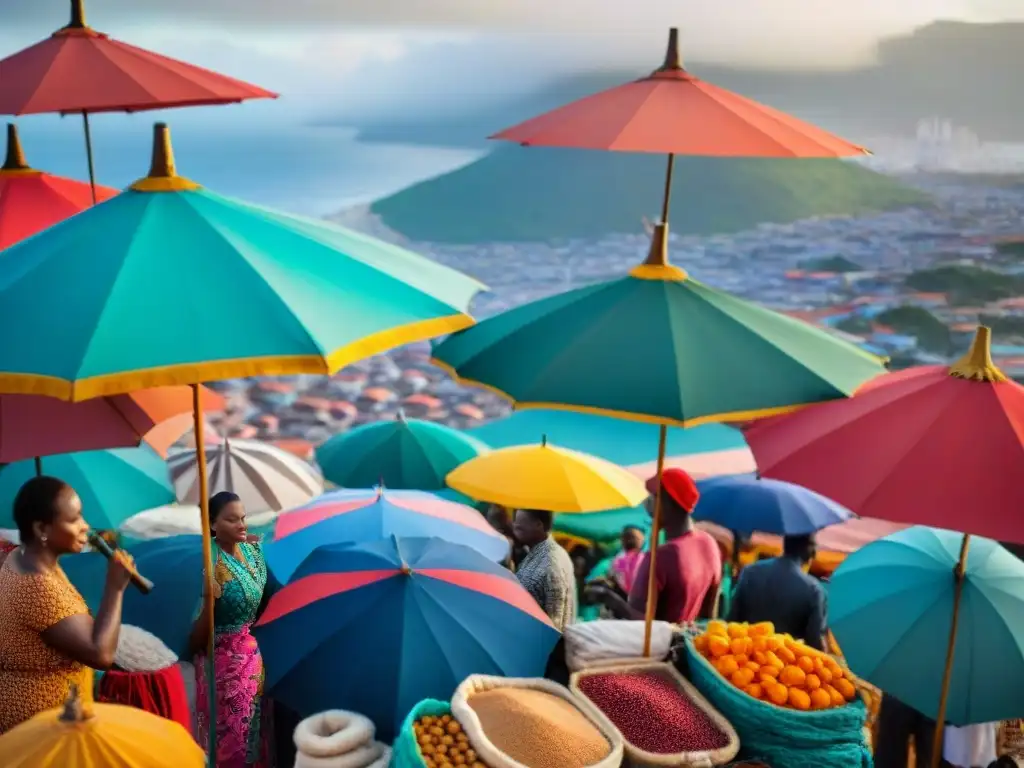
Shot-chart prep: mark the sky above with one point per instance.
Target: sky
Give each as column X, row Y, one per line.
column 384, row 55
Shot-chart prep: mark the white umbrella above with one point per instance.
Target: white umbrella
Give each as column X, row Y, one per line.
column 177, row 520
column 264, row 477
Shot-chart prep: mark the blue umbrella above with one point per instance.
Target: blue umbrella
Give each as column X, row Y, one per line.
column 351, row 516
column 377, row 627
column 175, row 566
column 113, row 484
column 891, row 608
column 746, row 504
column 615, row 440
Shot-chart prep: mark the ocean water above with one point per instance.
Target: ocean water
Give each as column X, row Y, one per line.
column 293, row 167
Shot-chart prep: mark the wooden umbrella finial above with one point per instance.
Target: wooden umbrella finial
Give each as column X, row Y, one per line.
column 673, row 60
column 977, row 363
column 163, row 174
column 15, row 160
column 75, row 710
column 77, row 15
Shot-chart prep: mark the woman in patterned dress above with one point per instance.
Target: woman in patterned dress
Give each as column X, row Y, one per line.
column 240, row 578
column 48, row 640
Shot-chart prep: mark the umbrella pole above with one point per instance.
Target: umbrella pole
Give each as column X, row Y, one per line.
column 667, row 194
column 88, row 155
column 39, row 466
column 652, row 580
column 947, row 674
column 204, row 509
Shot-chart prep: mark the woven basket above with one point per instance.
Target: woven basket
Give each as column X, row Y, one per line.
column 705, row 759
column 494, row 757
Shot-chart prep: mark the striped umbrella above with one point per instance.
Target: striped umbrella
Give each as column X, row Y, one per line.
column 265, row 478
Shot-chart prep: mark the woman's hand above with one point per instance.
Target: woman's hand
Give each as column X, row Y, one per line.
column 119, row 570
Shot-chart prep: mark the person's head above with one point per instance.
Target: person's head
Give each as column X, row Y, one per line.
column 800, row 548
column 48, row 514
column 499, row 519
column 227, row 518
column 531, row 526
column 632, row 538
column 679, row 497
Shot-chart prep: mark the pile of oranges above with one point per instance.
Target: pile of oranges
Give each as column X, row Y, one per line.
column 774, row 667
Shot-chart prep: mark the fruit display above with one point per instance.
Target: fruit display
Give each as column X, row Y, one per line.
column 652, row 712
column 443, row 744
column 774, row 667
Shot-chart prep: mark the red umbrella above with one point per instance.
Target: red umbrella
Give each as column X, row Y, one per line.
column 31, row 201
column 925, row 446
column 33, row 425
column 673, row 112
column 80, row 70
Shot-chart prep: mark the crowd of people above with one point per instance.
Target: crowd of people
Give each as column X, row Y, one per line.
column 49, row 641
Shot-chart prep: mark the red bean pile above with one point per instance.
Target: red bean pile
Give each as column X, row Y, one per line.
column 652, row 713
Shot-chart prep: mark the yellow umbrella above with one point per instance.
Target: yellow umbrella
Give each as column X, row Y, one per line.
column 547, row 477
column 99, row 736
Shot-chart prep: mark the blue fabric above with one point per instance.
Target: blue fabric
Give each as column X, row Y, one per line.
column 615, row 440
column 891, row 608
column 746, row 504
column 405, row 752
column 831, row 738
column 175, row 566
column 381, row 647
column 379, row 519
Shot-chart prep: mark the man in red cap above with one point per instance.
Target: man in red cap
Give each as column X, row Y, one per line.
column 688, row 566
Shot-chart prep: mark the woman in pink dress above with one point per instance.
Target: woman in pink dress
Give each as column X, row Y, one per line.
column 625, row 564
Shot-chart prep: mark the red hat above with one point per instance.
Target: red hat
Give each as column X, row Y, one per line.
column 679, row 485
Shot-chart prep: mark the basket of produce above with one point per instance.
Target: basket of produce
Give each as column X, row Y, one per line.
column 662, row 718
column 533, row 723
column 431, row 737
column 790, row 704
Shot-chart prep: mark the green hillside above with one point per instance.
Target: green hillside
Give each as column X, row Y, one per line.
column 517, row 194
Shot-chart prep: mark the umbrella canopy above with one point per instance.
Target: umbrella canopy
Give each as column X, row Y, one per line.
column 364, row 516
column 615, row 440
column 34, row 425
column 673, row 112
column 377, row 627
column 78, row 69
column 31, row 201
column 113, row 484
column 547, row 477
column 400, row 453
column 264, row 477
column 305, row 296
column 90, row 735
column 698, row 354
column 602, row 528
column 891, row 606
column 930, row 445
column 175, row 566
column 747, row 504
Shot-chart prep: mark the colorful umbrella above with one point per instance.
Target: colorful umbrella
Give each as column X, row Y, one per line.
column 264, row 477
column 80, row 70
column 701, row 359
column 400, row 453
column 84, row 734
column 359, row 517
column 890, row 608
column 602, row 528
column 33, row 426
column 547, row 477
column 175, row 566
column 615, row 440
column 904, row 449
column 375, row 628
column 31, row 201
column 746, row 504
column 113, row 484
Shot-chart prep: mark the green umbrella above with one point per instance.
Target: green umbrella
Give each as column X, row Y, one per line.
column 402, row 453
column 602, row 528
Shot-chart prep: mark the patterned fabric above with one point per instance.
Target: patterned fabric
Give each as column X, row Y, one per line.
column 242, row 727
column 33, row 676
column 547, row 574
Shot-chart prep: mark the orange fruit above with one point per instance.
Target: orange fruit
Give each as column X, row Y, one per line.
column 762, row 628
column 799, row 699
column 774, row 642
column 806, row 663
column 718, row 645
column 812, row 682
column 700, row 643
column 760, row 657
column 717, row 627
column 772, row 659
column 777, row 693
column 770, row 670
column 834, row 695
column 756, row 690
column 820, row 699
column 741, row 658
column 846, row 688
column 740, row 645
column 753, row 666
column 786, row 655
column 726, row 665
column 735, row 629
column 759, row 643
column 792, row 675
column 741, row 678
column 834, row 668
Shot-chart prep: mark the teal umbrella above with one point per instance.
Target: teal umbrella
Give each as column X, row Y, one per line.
column 402, row 453
column 615, row 440
column 891, row 608
column 113, row 484
column 602, row 528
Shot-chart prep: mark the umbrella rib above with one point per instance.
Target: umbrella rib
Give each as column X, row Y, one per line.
column 716, row 97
